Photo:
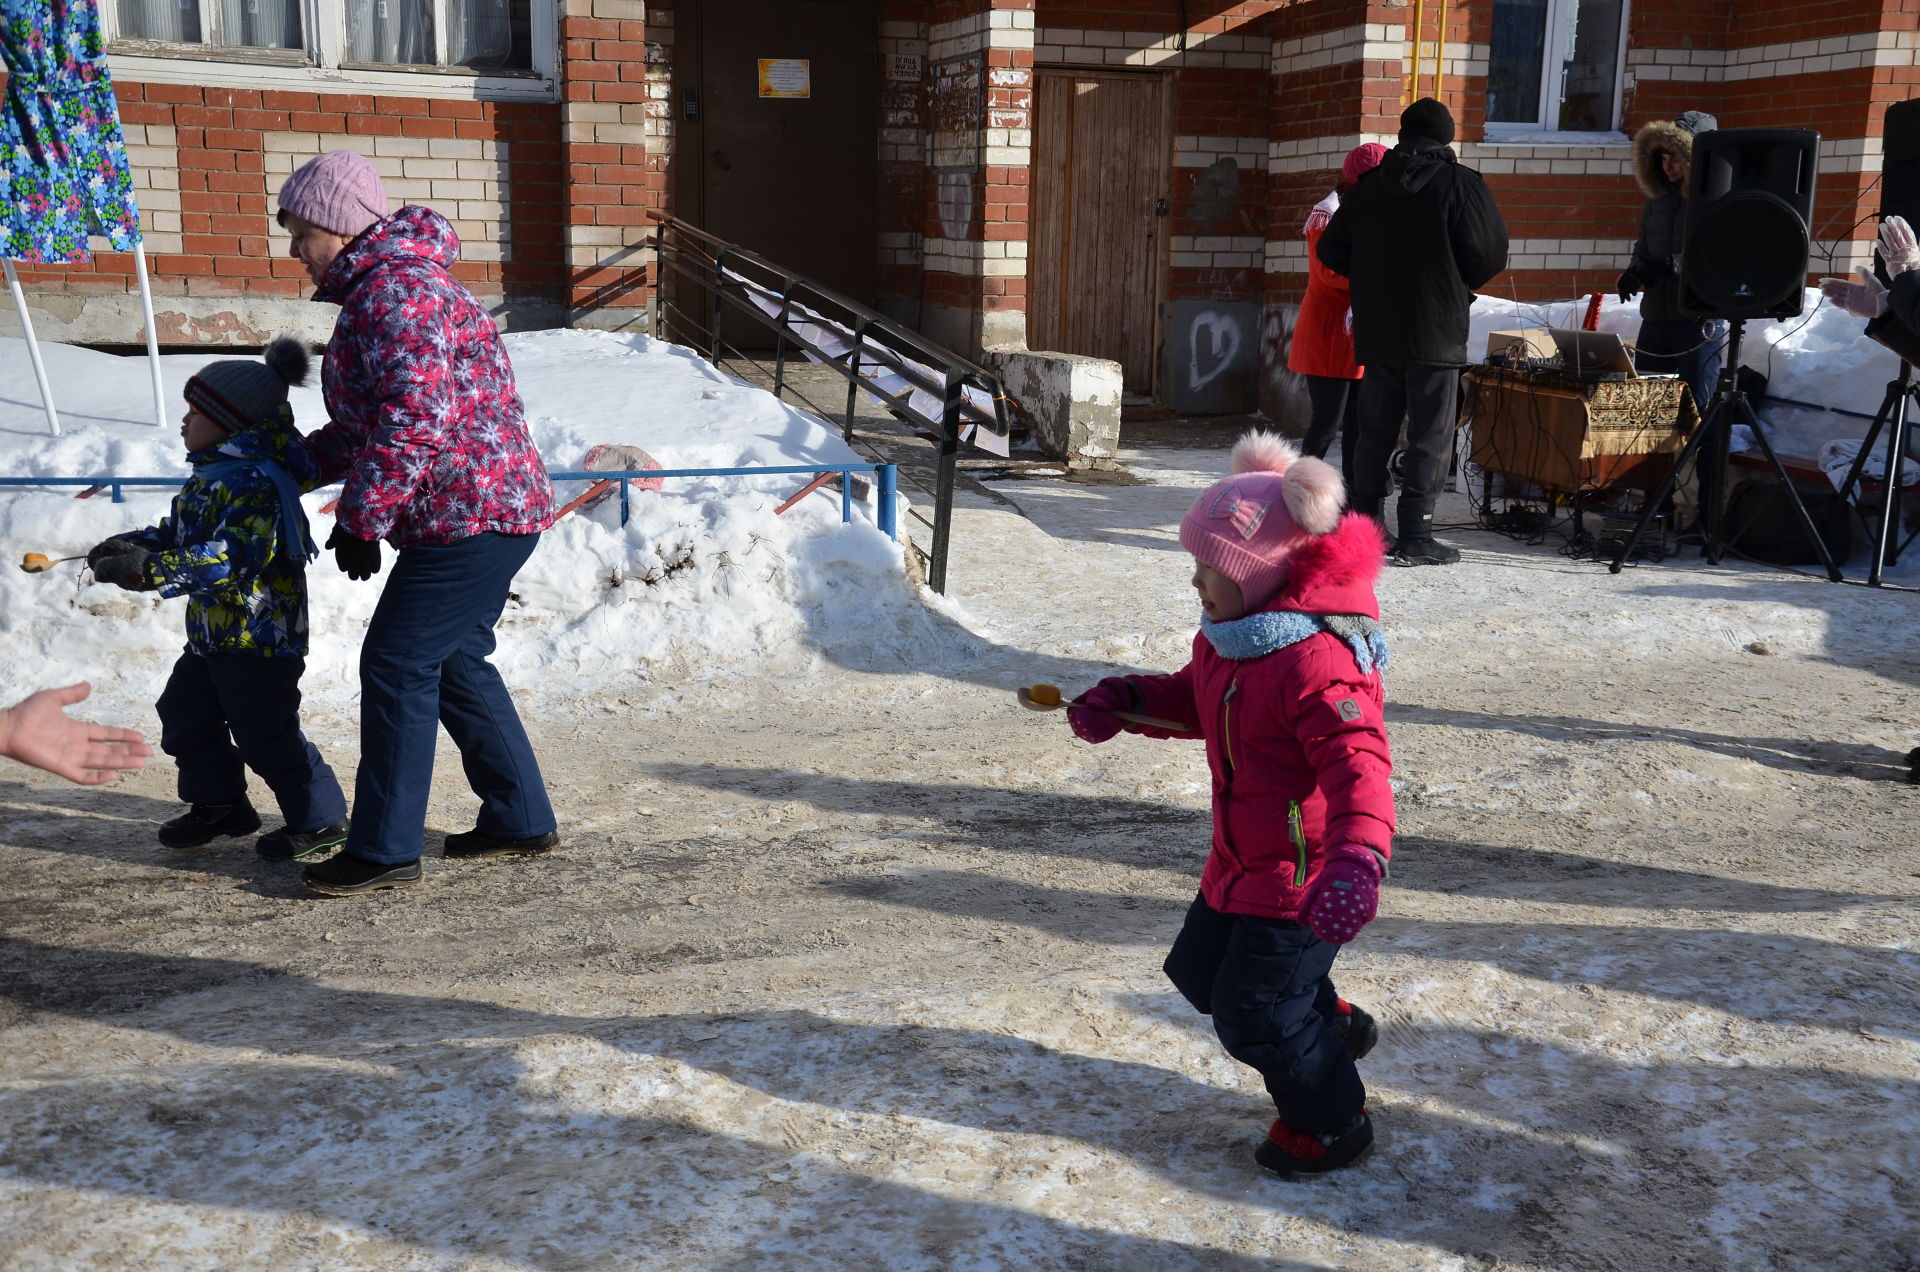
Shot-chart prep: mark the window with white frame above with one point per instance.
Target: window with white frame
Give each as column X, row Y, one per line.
column 1556, row 66
column 484, row 36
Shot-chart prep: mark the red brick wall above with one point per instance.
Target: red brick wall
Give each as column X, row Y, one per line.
column 616, row 72
column 1210, row 101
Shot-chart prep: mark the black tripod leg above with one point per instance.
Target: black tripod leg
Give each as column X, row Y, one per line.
column 1890, row 493
column 1859, row 465
column 1716, row 550
column 1667, row 483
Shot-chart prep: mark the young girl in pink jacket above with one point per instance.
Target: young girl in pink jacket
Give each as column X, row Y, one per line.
column 1284, row 687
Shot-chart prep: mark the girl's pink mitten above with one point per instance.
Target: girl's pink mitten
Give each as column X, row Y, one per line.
column 1090, row 713
column 1346, row 894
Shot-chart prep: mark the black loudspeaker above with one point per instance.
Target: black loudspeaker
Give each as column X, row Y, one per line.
column 1900, row 169
column 1749, row 199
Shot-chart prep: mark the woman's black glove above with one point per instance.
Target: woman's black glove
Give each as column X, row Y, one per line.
column 1629, row 286
column 126, row 569
column 111, row 547
column 357, row 558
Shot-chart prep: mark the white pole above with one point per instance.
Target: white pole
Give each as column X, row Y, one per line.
column 153, row 337
column 33, row 346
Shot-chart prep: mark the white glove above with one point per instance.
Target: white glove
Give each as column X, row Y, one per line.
column 1866, row 298
column 1898, row 247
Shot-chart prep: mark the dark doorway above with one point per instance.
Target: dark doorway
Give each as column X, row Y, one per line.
column 778, row 132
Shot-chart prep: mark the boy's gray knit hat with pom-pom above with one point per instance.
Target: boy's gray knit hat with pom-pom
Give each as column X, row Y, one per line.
column 238, row 393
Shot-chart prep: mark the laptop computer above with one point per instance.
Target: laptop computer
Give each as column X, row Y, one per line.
column 1592, row 353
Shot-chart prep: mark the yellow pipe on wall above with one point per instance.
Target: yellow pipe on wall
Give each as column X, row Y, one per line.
column 1419, row 16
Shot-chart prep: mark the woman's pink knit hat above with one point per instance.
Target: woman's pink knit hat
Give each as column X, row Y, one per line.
column 1248, row 525
column 1361, row 160
column 337, row 191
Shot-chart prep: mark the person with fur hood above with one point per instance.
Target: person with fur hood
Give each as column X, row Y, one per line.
column 1284, row 688
column 1669, row 341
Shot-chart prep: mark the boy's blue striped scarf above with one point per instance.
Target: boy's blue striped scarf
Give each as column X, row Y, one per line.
column 293, row 519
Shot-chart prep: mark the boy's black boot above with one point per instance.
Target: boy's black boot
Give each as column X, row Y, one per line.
column 285, row 844
column 345, row 875
column 473, row 843
column 204, row 823
column 1287, row 1151
column 1355, row 1028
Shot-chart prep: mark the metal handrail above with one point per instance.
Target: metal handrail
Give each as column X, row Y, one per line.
column 947, row 397
column 886, row 484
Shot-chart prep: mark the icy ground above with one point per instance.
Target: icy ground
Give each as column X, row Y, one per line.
column 847, row 962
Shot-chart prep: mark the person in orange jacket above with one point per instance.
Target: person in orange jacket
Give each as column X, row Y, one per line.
column 1322, row 349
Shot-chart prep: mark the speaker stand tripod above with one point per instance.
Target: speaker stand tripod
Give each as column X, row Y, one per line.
column 1893, row 410
column 1730, row 406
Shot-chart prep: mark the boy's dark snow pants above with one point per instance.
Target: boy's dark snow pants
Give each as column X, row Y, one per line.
column 220, row 712
column 1265, row 983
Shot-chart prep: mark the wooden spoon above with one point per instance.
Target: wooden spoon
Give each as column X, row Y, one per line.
column 1047, row 698
column 40, row 562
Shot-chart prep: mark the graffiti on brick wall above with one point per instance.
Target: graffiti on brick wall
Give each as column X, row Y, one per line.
column 1216, row 191
column 1213, row 345
column 959, row 112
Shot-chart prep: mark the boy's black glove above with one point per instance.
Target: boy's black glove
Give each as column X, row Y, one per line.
column 111, row 547
column 1629, row 286
column 126, row 569
column 357, row 558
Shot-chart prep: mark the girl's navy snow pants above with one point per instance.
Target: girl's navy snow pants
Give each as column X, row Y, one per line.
column 1265, row 983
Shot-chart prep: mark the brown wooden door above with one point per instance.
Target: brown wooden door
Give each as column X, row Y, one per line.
column 1101, row 168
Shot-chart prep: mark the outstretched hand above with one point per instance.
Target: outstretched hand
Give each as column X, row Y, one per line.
column 36, row 731
column 1863, row 295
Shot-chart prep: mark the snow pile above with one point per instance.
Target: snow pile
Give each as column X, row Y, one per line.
column 703, row 575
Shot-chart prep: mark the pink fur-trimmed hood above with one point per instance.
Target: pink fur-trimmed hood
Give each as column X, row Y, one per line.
column 1335, row 573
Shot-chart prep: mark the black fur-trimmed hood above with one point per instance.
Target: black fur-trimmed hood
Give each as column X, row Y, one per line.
column 1654, row 138
column 1674, row 136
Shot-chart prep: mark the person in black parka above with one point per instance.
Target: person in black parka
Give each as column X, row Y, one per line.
column 1415, row 237
column 1668, row 340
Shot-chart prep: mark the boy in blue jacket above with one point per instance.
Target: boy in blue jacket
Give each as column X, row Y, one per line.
column 236, row 545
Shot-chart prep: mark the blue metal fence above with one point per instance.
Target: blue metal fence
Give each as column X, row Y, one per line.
column 885, row 480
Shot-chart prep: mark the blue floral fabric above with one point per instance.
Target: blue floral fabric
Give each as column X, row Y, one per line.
column 63, row 159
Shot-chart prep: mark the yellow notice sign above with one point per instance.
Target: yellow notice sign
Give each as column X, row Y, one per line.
column 786, row 77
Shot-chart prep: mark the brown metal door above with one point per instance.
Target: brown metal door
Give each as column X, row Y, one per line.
column 791, row 176
column 1101, row 167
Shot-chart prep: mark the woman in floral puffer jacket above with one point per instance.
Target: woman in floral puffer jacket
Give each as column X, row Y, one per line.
column 428, row 431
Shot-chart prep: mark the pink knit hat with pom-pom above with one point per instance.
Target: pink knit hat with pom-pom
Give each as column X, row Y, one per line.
column 1361, row 160
column 1248, row 525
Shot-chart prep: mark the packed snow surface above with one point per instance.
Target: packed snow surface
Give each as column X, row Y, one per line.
column 846, row 961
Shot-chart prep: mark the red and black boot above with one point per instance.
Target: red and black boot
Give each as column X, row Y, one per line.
column 1287, row 1152
column 1355, row 1027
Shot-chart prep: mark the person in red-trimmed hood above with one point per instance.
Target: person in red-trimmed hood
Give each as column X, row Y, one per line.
column 1285, row 689
column 1322, row 348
